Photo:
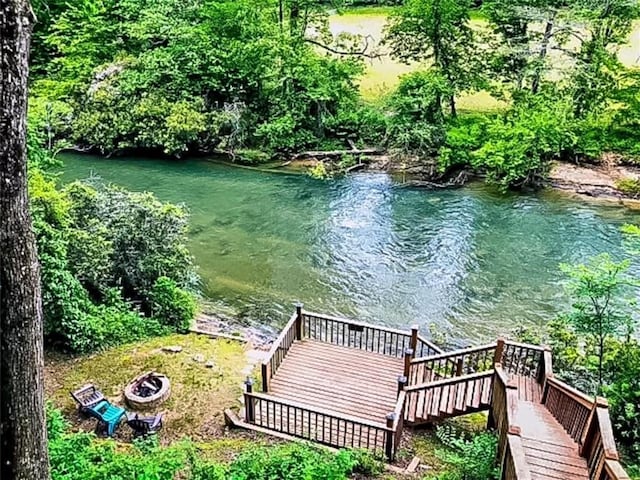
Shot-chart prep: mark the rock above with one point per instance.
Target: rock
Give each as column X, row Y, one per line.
column 172, row 349
column 210, row 364
column 198, row 358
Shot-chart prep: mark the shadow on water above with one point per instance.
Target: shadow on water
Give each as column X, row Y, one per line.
column 472, row 261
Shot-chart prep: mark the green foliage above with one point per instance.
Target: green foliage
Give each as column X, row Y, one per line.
column 293, row 462
column 171, row 305
column 437, row 31
column 629, row 186
column 599, row 310
column 82, row 456
column 468, row 458
column 319, row 171
column 98, row 247
column 167, row 77
column 417, row 122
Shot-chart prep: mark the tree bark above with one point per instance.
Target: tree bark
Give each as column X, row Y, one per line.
column 22, row 418
column 548, row 31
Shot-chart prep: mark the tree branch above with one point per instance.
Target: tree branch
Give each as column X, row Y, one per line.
column 361, row 53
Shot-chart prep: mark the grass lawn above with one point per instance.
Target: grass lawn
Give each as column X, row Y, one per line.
column 199, row 394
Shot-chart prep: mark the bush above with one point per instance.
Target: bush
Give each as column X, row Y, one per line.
column 629, row 186
column 171, row 305
column 94, row 254
column 468, row 458
column 80, row 456
column 293, row 462
column 416, row 125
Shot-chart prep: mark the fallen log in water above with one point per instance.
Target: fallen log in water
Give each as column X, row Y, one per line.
column 336, row 153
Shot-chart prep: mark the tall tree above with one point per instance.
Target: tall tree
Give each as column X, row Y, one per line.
column 22, row 418
column 437, row 31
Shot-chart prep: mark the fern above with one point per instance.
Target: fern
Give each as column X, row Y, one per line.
column 470, row 458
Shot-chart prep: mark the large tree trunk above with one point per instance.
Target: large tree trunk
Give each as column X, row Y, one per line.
column 23, row 428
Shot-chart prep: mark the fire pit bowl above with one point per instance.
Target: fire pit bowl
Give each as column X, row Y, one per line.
column 147, row 391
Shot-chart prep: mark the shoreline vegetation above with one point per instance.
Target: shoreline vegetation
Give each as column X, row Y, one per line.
column 540, row 137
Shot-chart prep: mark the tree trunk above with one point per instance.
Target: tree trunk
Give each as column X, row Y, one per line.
column 544, row 47
column 23, row 428
column 452, row 106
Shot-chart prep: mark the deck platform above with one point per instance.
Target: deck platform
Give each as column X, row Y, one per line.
column 342, row 379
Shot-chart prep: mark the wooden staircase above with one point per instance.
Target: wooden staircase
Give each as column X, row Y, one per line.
column 547, row 430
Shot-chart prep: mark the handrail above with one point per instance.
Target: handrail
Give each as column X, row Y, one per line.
column 614, row 470
column 452, row 364
column 454, row 353
column 363, row 336
column 568, row 390
column 449, row 381
column 525, row 345
column 279, row 350
column 420, row 350
column 329, row 427
column 356, row 323
column 503, row 415
column 318, row 410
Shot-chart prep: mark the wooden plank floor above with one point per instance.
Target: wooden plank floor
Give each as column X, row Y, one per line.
column 342, row 379
column 550, row 452
column 529, row 390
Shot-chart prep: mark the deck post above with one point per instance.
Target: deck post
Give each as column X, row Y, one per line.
column 497, row 357
column 402, row 381
column 299, row 306
column 459, row 366
column 389, row 448
column 414, row 338
column 248, row 402
column 266, row 376
column 408, row 356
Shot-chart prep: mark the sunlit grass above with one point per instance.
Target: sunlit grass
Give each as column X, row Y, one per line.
column 199, row 394
column 383, row 74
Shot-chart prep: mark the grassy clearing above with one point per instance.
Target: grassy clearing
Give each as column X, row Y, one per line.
column 382, row 75
column 199, row 394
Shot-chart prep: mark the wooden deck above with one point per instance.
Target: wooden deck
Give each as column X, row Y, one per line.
column 347, row 384
column 341, row 379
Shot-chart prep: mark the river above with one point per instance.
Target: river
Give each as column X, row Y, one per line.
column 473, row 262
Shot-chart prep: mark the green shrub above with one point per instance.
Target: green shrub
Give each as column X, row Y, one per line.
column 171, row 305
column 98, row 247
column 471, row 458
column 629, row 186
column 292, row 462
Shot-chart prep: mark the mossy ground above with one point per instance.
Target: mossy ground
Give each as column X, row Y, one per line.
column 199, row 394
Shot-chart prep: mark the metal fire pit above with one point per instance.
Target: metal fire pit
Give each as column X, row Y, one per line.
column 147, row 391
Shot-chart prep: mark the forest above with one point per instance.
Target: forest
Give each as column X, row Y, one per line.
column 264, row 79
column 257, row 80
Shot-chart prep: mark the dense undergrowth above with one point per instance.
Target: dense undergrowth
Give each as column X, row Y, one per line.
column 81, row 456
column 114, row 264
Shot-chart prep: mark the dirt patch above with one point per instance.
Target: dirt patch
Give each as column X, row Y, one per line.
column 597, row 181
column 200, row 390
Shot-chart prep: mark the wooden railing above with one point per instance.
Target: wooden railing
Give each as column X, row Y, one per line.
column 521, row 358
column 569, row 406
column 363, row 336
column 446, row 397
column 280, row 348
column 327, row 427
column 452, row 364
column 504, row 407
column 586, row 420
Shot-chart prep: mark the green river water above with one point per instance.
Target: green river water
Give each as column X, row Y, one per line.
column 471, row 261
